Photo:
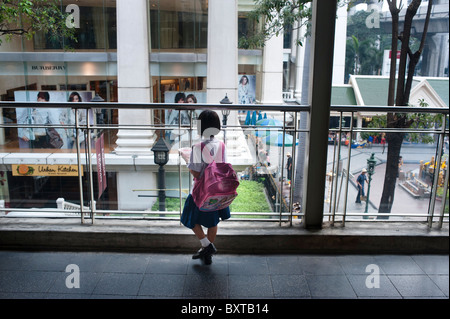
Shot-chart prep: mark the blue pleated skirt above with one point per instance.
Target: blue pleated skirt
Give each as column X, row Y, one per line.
column 192, row 216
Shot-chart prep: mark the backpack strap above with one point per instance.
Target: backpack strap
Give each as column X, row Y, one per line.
column 210, row 157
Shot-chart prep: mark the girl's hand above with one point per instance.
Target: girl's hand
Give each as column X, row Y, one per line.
column 185, row 153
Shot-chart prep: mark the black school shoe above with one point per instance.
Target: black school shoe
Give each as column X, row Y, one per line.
column 206, row 253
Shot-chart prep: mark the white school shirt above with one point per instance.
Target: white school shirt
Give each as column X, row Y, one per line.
column 198, row 163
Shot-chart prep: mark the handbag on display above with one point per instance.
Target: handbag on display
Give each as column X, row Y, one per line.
column 54, row 140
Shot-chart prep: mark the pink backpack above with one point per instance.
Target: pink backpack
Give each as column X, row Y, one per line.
column 216, row 188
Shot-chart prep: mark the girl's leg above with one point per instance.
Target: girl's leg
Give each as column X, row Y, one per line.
column 212, row 232
column 198, row 231
column 208, row 248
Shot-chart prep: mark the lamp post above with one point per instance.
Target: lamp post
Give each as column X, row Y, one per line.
column 225, row 114
column 161, row 157
column 370, row 171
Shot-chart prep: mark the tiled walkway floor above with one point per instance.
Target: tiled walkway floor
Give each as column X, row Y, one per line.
column 40, row 275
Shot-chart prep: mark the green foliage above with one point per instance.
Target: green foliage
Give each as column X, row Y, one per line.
column 172, row 204
column 251, row 198
column 416, row 120
column 273, row 17
column 25, row 18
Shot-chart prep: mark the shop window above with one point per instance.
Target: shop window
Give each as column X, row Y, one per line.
column 246, row 29
column 164, row 88
column 97, row 30
column 176, row 25
column 48, row 87
column 73, row 87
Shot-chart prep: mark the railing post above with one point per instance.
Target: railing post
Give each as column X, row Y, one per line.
column 80, row 171
column 89, row 163
column 349, row 154
column 437, row 167
column 444, row 196
column 323, row 33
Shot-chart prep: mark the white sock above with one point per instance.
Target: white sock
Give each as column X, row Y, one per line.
column 205, row 242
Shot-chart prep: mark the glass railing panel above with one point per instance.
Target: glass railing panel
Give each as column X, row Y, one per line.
column 42, row 165
column 416, row 178
column 109, row 150
column 260, row 169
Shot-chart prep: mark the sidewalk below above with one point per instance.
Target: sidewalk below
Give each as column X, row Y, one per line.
column 110, row 275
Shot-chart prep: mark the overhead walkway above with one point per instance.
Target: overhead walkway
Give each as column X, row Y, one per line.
column 235, row 237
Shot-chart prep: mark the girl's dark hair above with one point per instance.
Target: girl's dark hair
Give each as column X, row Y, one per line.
column 242, row 79
column 44, row 95
column 209, row 120
column 180, row 96
column 73, row 94
column 191, row 96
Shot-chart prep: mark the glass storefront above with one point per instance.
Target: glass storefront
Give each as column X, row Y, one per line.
column 42, row 66
column 46, row 69
column 179, row 25
column 97, row 29
column 177, row 30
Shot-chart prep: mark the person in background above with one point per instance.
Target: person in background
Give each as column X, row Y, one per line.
column 360, row 183
column 289, row 166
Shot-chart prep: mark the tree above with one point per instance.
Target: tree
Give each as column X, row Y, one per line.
column 365, row 46
column 25, row 18
column 399, row 94
column 362, row 57
column 273, row 17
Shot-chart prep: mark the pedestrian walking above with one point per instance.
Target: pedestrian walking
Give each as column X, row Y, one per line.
column 192, row 217
column 289, row 166
column 360, row 183
column 383, row 141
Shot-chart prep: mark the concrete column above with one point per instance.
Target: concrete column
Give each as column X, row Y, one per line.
column 133, row 74
column 222, row 66
column 359, row 123
column 323, row 30
column 340, row 45
column 222, row 62
column 299, row 63
column 134, row 80
column 272, row 71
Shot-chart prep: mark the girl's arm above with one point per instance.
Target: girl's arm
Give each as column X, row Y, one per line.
column 195, row 174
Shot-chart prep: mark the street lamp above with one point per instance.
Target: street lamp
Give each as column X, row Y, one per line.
column 225, row 113
column 370, row 171
column 161, row 157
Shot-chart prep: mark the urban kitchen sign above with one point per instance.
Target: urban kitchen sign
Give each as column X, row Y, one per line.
column 45, row 170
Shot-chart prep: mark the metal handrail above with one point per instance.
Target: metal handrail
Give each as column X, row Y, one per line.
column 297, row 107
column 294, row 107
